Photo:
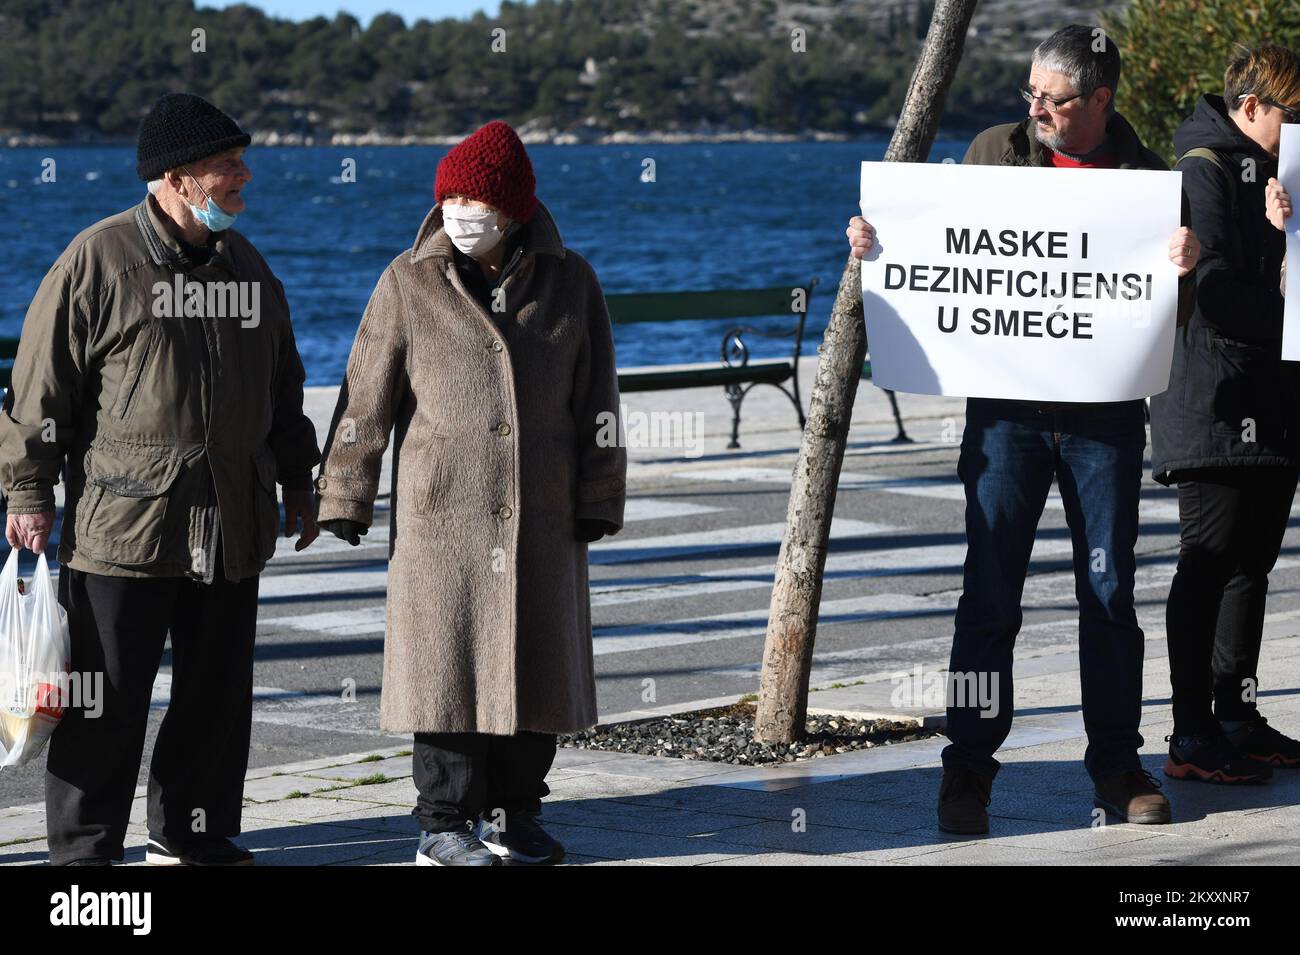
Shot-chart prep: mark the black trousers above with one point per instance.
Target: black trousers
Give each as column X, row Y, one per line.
column 118, row 627
column 1232, row 523
column 462, row 775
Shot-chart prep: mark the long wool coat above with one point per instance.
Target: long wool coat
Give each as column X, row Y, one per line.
column 503, row 440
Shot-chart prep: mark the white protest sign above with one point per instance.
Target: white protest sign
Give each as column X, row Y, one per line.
column 1288, row 173
column 1020, row 282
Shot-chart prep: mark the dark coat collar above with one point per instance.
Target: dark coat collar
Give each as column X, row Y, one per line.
column 163, row 247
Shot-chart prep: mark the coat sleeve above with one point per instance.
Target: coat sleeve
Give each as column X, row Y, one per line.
column 602, row 458
column 293, row 436
column 1234, row 304
column 41, row 408
column 374, row 385
column 1188, row 284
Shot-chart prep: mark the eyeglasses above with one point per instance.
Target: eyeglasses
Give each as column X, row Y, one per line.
column 1291, row 115
column 1049, row 102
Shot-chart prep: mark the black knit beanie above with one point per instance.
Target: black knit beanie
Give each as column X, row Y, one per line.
column 182, row 128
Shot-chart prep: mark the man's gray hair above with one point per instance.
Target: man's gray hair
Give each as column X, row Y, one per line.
column 153, row 185
column 1087, row 55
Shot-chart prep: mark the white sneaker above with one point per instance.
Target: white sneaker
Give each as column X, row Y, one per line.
column 458, row 847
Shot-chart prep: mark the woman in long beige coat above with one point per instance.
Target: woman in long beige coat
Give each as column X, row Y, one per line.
column 487, row 351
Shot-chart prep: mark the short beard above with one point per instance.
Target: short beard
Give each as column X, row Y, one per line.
column 1048, row 136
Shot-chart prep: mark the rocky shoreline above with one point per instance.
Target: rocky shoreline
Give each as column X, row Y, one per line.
column 530, row 136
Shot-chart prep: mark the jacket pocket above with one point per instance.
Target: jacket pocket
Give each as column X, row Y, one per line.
column 141, row 352
column 1245, row 382
column 266, row 505
column 121, row 518
column 433, row 490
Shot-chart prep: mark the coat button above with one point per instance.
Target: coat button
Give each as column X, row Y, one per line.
column 504, row 512
column 496, row 346
column 504, row 428
column 321, row 483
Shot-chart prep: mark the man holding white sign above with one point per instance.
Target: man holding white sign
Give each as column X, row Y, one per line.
column 1078, row 313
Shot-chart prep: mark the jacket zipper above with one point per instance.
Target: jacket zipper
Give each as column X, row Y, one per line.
column 211, row 500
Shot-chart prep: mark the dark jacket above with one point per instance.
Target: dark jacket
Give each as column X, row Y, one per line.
column 478, row 284
column 1012, row 144
column 166, row 423
column 1227, row 368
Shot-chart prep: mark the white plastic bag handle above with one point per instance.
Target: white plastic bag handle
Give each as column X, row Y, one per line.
column 15, row 652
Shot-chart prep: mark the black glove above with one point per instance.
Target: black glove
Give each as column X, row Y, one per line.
column 346, row 530
column 590, row 529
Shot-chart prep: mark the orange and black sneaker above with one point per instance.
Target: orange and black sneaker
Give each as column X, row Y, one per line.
column 1256, row 740
column 1212, row 759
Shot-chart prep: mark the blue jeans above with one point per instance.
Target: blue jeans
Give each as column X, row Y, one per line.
column 1010, row 453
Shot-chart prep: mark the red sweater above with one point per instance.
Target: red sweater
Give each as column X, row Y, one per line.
column 1105, row 161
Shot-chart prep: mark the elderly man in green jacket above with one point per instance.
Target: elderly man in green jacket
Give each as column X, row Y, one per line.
column 157, row 373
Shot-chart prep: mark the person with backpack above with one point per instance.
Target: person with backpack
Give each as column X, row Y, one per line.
column 1226, row 433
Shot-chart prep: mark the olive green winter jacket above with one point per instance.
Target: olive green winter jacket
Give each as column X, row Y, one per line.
column 167, row 395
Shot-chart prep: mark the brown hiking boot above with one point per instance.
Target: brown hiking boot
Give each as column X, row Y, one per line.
column 963, row 798
column 1133, row 797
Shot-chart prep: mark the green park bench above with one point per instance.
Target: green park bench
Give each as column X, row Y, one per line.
column 736, row 371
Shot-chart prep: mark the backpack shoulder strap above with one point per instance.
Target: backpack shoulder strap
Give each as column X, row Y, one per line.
column 1209, row 155
column 1206, row 153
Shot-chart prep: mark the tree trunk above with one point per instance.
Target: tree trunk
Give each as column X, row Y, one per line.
column 796, row 593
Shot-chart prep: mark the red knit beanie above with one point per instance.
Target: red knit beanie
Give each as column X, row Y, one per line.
column 490, row 166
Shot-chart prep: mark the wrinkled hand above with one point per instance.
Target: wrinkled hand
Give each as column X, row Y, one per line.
column 29, row 530
column 300, row 507
column 862, row 236
column 1184, row 250
column 1277, row 204
column 345, row 530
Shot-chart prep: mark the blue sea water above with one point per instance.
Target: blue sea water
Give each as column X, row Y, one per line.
column 722, row 215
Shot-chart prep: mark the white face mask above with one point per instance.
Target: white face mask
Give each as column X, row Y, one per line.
column 473, row 231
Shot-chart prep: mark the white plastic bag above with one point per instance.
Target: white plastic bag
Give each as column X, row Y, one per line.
column 34, row 662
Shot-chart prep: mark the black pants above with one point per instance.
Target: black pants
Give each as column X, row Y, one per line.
column 118, row 627
column 462, row 775
column 1233, row 520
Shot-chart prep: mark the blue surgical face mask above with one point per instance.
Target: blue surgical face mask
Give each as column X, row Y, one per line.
column 214, row 217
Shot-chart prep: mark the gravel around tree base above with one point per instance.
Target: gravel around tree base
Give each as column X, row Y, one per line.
column 726, row 735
